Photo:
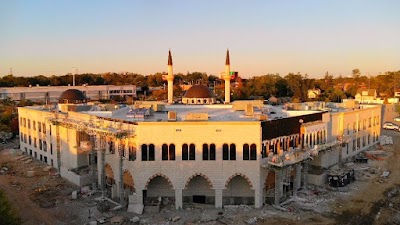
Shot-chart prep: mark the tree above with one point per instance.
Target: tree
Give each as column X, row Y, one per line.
column 8, row 215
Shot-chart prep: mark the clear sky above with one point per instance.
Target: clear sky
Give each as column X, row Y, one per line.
column 309, row 36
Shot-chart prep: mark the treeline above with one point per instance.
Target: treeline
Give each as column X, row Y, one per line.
column 292, row 85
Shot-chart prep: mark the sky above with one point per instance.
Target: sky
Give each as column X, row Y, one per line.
column 47, row 37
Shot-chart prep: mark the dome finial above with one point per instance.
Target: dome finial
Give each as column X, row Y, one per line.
column 169, row 58
column 227, row 62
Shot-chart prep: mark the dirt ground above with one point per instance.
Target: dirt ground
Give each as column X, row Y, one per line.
column 371, row 199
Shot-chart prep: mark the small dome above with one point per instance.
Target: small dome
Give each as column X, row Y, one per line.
column 198, row 91
column 72, row 96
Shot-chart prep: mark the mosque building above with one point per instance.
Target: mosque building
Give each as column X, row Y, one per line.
column 241, row 152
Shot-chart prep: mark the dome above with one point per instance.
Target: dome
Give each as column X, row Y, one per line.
column 72, row 96
column 198, row 91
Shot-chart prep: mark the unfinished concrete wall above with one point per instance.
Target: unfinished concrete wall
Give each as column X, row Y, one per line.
column 326, row 159
column 317, row 179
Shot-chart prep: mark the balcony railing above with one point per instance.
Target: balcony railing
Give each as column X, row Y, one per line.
column 297, row 155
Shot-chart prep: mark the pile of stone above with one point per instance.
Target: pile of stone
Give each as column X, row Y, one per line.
column 385, row 140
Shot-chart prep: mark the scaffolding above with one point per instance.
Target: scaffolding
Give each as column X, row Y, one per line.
column 95, row 127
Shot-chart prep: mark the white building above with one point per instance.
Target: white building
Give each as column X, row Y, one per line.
column 237, row 153
column 52, row 93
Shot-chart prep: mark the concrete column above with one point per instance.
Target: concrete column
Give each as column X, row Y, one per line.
column 218, row 198
column 139, row 193
column 114, row 191
column 278, row 186
column 297, row 179
column 258, row 198
column 304, row 174
column 178, row 199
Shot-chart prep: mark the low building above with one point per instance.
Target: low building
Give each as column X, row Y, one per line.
column 364, row 95
column 313, row 93
column 52, row 93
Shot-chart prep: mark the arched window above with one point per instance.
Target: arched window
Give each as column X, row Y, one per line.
column 144, row 152
column 209, row 152
column 212, row 152
column 246, row 152
column 253, row 152
column 232, row 152
column 171, row 152
column 132, row 153
column 205, row 152
column 164, row 152
column 151, row 152
column 192, row 152
column 111, row 147
column 185, row 152
column 225, row 152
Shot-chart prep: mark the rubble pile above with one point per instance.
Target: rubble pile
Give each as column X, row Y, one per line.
column 385, row 140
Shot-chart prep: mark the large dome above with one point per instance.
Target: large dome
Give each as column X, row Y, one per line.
column 72, row 96
column 198, row 91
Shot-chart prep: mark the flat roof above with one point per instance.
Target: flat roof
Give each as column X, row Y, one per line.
column 216, row 112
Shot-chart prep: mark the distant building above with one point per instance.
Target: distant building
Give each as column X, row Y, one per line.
column 52, row 93
column 366, row 95
column 313, row 93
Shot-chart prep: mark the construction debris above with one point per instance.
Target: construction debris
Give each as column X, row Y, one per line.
column 385, row 140
column 385, row 174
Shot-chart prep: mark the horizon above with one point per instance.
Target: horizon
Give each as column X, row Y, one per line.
column 308, row 37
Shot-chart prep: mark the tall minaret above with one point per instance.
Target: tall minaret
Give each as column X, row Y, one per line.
column 227, row 78
column 170, row 79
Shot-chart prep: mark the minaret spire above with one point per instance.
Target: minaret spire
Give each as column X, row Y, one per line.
column 227, row 62
column 169, row 58
column 227, row 78
column 170, row 79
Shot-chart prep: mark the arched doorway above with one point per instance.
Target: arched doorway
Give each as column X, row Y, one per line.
column 238, row 191
column 198, row 189
column 109, row 179
column 129, row 187
column 158, row 186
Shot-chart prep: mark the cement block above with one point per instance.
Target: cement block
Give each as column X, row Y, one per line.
column 136, row 208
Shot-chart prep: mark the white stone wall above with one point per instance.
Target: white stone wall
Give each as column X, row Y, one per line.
column 343, row 124
column 38, row 116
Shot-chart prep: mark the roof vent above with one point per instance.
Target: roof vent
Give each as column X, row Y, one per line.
column 196, row 117
column 171, row 116
column 249, row 110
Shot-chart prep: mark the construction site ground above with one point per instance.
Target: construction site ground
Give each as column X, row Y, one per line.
column 371, row 199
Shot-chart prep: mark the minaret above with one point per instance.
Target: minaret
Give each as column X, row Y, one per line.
column 227, row 78
column 170, row 79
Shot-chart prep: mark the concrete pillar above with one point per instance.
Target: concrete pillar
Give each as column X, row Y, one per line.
column 178, row 199
column 278, row 186
column 114, row 191
column 304, row 174
column 258, row 198
column 139, row 193
column 218, row 198
column 297, row 179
